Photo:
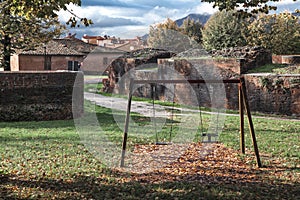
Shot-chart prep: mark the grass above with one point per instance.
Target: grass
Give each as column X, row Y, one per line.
column 90, row 77
column 269, row 68
column 276, row 69
column 46, row 160
column 94, row 88
column 278, row 139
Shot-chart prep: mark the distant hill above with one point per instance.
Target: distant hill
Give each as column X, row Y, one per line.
column 197, row 17
column 145, row 37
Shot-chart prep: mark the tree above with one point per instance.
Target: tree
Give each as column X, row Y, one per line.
column 245, row 7
column 166, row 36
column 223, row 30
column 279, row 32
column 170, row 37
column 25, row 23
column 192, row 29
column 158, row 34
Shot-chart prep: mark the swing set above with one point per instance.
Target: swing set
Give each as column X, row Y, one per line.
column 243, row 106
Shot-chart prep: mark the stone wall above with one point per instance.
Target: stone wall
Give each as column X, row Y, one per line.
column 286, row 59
column 201, row 94
column 37, row 96
column 267, row 93
column 276, row 94
column 248, row 57
column 119, row 67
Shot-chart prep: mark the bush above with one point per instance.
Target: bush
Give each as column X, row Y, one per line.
column 224, row 30
column 279, row 32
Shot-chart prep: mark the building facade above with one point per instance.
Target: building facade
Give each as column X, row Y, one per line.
column 65, row 54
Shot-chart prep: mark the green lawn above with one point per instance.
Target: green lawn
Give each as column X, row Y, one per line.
column 46, row 160
column 277, row 69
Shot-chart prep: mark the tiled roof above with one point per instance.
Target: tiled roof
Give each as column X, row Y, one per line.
column 53, row 47
column 93, row 37
column 77, row 44
column 68, row 46
column 100, row 49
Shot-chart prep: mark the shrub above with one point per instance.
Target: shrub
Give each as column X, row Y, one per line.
column 279, row 32
column 224, row 30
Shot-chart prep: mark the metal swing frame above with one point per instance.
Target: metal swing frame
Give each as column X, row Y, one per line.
column 153, row 92
column 243, row 105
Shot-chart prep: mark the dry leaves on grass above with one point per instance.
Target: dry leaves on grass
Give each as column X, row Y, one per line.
column 195, row 171
column 210, row 163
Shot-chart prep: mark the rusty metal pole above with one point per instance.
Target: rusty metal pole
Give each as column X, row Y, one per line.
column 251, row 126
column 242, row 124
column 131, row 84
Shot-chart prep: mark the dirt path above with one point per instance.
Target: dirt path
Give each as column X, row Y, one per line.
column 146, row 109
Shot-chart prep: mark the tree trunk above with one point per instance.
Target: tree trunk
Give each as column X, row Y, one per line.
column 6, row 41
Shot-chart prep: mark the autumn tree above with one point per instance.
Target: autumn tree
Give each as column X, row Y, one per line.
column 279, row 32
column 224, row 30
column 25, row 23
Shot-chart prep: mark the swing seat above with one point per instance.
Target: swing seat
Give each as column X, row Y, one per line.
column 207, row 137
column 163, row 143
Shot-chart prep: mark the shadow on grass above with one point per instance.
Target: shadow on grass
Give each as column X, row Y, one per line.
column 117, row 185
column 38, row 124
column 222, row 183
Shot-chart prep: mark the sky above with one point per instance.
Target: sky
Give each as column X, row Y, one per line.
column 131, row 18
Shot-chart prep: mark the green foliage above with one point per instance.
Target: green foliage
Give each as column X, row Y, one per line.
column 192, row 29
column 244, row 8
column 279, row 33
column 25, row 23
column 165, row 36
column 169, row 36
column 224, row 30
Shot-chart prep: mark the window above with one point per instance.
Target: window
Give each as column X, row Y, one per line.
column 73, row 65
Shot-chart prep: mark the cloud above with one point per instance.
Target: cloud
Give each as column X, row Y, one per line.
column 286, row 2
column 205, row 8
column 290, row 6
column 127, row 16
column 105, row 21
column 98, row 12
column 159, row 14
column 181, row 4
column 110, row 3
column 133, row 17
column 110, row 19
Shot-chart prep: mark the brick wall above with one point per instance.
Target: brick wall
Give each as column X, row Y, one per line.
column 28, row 96
column 207, row 69
column 276, row 94
column 25, row 62
column 286, row 59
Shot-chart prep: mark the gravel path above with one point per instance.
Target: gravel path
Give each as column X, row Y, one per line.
column 142, row 108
